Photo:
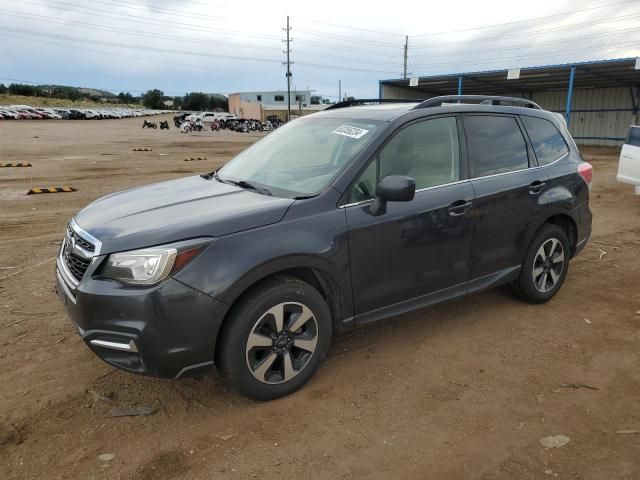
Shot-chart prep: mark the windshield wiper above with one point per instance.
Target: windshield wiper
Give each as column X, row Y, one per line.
column 249, row 185
column 210, row 175
column 238, row 183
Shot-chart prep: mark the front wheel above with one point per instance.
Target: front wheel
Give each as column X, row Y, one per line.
column 545, row 266
column 275, row 338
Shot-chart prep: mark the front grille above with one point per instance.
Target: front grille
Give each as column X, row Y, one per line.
column 76, row 262
column 76, row 265
column 88, row 246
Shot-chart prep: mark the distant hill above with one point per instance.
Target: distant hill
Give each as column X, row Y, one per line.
column 84, row 91
column 61, row 102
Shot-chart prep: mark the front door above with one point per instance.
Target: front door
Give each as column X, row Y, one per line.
column 416, row 247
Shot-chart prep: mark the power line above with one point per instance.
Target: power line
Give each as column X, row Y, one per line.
column 527, row 45
column 484, row 39
column 76, row 23
column 314, row 21
column 150, row 60
column 482, row 27
column 334, row 46
column 531, row 19
column 124, row 45
column 166, row 50
column 161, row 10
column 351, row 38
column 531, row 32
column 144, row 20
column 137, row 33
column 564, row 52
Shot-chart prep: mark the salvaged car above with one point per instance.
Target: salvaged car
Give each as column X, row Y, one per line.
column 337, row 219
column 629, row 165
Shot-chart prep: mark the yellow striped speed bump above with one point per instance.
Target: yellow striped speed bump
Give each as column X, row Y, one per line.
column 34, row 191
column 8, row 165
column 193, row 159
column 143, row 150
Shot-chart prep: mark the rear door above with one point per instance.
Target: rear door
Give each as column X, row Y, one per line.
column 506, row 189
column 629, row 166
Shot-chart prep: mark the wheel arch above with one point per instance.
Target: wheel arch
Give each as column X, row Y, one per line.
column 563, row 220
column 318, row 276
column 570, row 227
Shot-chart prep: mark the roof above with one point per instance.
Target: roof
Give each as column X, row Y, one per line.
column 391, row 111
column 381, row 112
column 619, row 72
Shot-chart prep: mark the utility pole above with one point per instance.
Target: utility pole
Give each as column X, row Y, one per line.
column 406, row 48
column 288, row 63
column 339, row 90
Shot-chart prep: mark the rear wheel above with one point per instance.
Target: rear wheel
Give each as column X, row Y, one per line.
column 275, row 339
column 545, row 266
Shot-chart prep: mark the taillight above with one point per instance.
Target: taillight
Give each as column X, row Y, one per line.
column 585, row 169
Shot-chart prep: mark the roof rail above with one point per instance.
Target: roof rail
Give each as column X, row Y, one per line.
column 366, row 101
column 481, row 99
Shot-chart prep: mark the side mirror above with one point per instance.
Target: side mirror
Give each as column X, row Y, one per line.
column 393, row 188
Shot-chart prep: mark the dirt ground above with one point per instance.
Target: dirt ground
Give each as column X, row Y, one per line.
column 461, row 390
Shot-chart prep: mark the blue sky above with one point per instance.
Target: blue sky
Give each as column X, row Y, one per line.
column 189, row 45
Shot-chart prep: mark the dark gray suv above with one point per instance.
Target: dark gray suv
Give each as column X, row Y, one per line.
column 335, row 220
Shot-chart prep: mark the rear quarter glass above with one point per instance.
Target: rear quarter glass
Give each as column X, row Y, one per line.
column 629, row 165
column 634, row 137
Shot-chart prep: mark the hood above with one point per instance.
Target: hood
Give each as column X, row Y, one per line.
column 177, row 210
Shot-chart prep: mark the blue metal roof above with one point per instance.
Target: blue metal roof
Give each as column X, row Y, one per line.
column 534, row 67
column 595, row 73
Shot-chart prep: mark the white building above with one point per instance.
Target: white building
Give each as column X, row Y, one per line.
column 275, row 98
column 260, row 105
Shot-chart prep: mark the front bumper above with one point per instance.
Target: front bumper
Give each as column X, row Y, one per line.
column 167, row 330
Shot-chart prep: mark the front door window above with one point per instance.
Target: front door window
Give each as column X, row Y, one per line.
column 426, row 151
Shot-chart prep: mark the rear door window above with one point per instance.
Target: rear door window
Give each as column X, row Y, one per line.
column 496, row 144
column 634, row 137
column 547, row 141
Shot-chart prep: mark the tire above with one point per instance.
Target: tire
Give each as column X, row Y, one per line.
column 256, row 358
column 548, row 254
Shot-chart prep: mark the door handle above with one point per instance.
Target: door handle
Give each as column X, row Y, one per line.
column 459, row 207
column 628, row 157
column 536, row 187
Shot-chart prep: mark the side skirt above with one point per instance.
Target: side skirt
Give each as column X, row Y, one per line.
column 479, row 284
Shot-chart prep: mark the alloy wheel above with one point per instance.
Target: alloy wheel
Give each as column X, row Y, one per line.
column 281, row 342
column 548, row 265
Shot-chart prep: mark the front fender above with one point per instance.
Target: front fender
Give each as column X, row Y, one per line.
column 235, row 262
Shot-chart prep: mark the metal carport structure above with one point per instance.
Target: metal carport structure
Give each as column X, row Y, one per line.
column 599, row 99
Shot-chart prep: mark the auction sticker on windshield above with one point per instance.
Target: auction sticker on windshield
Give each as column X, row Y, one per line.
column 351, row 132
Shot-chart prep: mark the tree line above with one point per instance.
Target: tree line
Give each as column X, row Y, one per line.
column 153, row 99
column 197, row 101
column 65, row 93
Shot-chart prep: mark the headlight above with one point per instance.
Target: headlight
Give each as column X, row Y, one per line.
column 140, row 267
column 149, row 266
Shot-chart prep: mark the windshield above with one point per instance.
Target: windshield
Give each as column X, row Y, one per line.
column 303, row 156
